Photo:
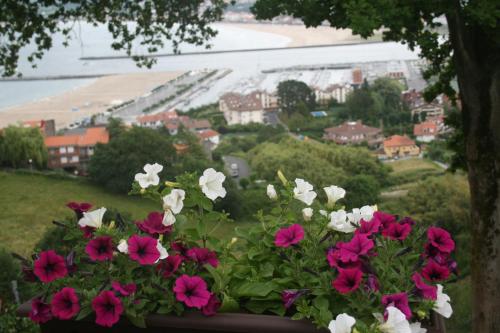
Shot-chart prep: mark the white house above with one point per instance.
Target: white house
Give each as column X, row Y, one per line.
column 244, row 109
column 338, row 92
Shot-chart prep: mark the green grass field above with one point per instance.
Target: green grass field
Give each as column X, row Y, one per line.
column 29, row 204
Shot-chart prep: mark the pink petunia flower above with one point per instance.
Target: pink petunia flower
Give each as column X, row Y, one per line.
column 108, row 308
column 400, row 301
column 192, row 291
column 422, row 289
column 28, row 274
column 153, row 225
column 143, row 249
column 203, row 256
column 170, row 265
column 286, row 237
column 88, row 232
column 40, row 312
column 407, row 220
column 369, row 227
column 179, row 247
column 372, row 284
column 290, row 296
column 358, row 246
column 348, row 280
column 384, row 218
column 124, row 289
column 79, row 208
column 50, row 266
column 333, row 257
column 65, row 304
column 435, row 272
column 440, row 239
column 397, row 231
column 212, row 306
column 100, row 248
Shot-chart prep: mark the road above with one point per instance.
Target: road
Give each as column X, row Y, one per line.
column 243, row 167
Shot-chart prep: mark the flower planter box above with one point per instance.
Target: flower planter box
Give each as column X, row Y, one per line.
column 195, row 322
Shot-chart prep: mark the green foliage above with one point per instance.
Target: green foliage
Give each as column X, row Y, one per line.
column 18, row 145
column 322, row 164
column 210, row 112
column 361, row 190
column 115, row 127
column 10, row 322
column 437, row 150
column 154, row 25
column 456, row 140
column 115, row 164
column 11, row 271
column 296, row 97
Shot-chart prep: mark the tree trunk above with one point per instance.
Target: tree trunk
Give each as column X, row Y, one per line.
column 477, row 62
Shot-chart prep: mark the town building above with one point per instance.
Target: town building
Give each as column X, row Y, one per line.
column 400, row 146
column 412, row 98
column 336, row 92
column 357, row 78
column 256, row 107
column 157, row 120
column 73, row 151
column 354, row 132
column 209, row 138
column 46, row 127
column 427, row 110
column 426, row 131
column 172, row 121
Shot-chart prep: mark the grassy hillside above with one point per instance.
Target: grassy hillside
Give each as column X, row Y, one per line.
column 29, row 203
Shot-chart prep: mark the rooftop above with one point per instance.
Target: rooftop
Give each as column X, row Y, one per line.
column 398, row 141
column 90, row 137
column 239, row 102
column 425, row 128
column 352, row 128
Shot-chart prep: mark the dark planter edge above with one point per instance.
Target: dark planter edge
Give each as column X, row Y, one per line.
column 235, row 322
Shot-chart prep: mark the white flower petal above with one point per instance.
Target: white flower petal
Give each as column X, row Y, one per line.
column 92, row 219
column 307, row 213
column 339, row 222
column 162, row 250
column 271, row 192
column 123, row 246
column 442, row 305
column 211, row 184
column 334, row 193
column 396, row 322
column 150, row 177
column 303, row 191
column 342, row 324
column 168, row 218
column 416, row 328
column 174, row 201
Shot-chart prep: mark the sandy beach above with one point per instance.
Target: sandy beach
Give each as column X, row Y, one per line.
column 88, row 100
column 302, row 36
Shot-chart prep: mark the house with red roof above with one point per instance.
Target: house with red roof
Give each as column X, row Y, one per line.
column 46, row 127
column 400, row 146
column 73, row 151
column 354, row 132
column 209, row 137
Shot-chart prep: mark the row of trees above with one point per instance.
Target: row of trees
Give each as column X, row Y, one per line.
column 22, row 147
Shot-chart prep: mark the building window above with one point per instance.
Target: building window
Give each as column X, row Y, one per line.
column 62, row 150
column 71, row 149
column 74, row 159
column 64, row 160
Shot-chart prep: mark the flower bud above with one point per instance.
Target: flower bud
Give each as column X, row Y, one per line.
column 421, row 314
column 234, row 240
column 307, row 213
column 271, row 192
column 171, row 184
column 111, row 225
column 281, row 176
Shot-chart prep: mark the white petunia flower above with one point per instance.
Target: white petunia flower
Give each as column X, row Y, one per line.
column 442, row 305
column 323, row 212
column 303, row 191
column 342, row 324
column 123, row 246
column 396, row 322
column 162, row 250
column 174, row 201
column 333, row 194
column 416, row 328
column 92, row 219
column 211, row 184
column 271, row 192
column 168, row 218
column 150, row 177
column 365, row 213
column 307, row 213
column 339, row 222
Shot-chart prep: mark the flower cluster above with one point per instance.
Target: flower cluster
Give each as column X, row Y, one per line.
column 132, row 268
column 358, row 270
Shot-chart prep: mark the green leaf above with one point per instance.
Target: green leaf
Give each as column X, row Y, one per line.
column 84, row 312
column 137, row 320
column 251, row 289
column 229, row 304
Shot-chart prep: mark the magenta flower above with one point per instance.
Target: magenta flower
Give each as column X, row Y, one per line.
column 384, row 218
column 422, row 289
column 100, row 248
column 407, row 220
column 289, row 236
column 65, row 304
column 124, row 289
column 153, row 225
column 348, row 280
column 40, row 312
column 369, row 228
column 333, row 257
column 28, row 274
column 179, row 247
column 435, row 272
column 212, row 306
column 170, row 265
column 400, row 301
column 108, row 308
column 143, row 249
column 203, row 256
column 440, row 239
column 397, row 231
column 290, row 296
column 79, row 208
column 358, row 246
column 50, row 266
column 88, row 232
column 192, row 291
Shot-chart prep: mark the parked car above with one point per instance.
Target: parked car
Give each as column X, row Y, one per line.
column 234, row 170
